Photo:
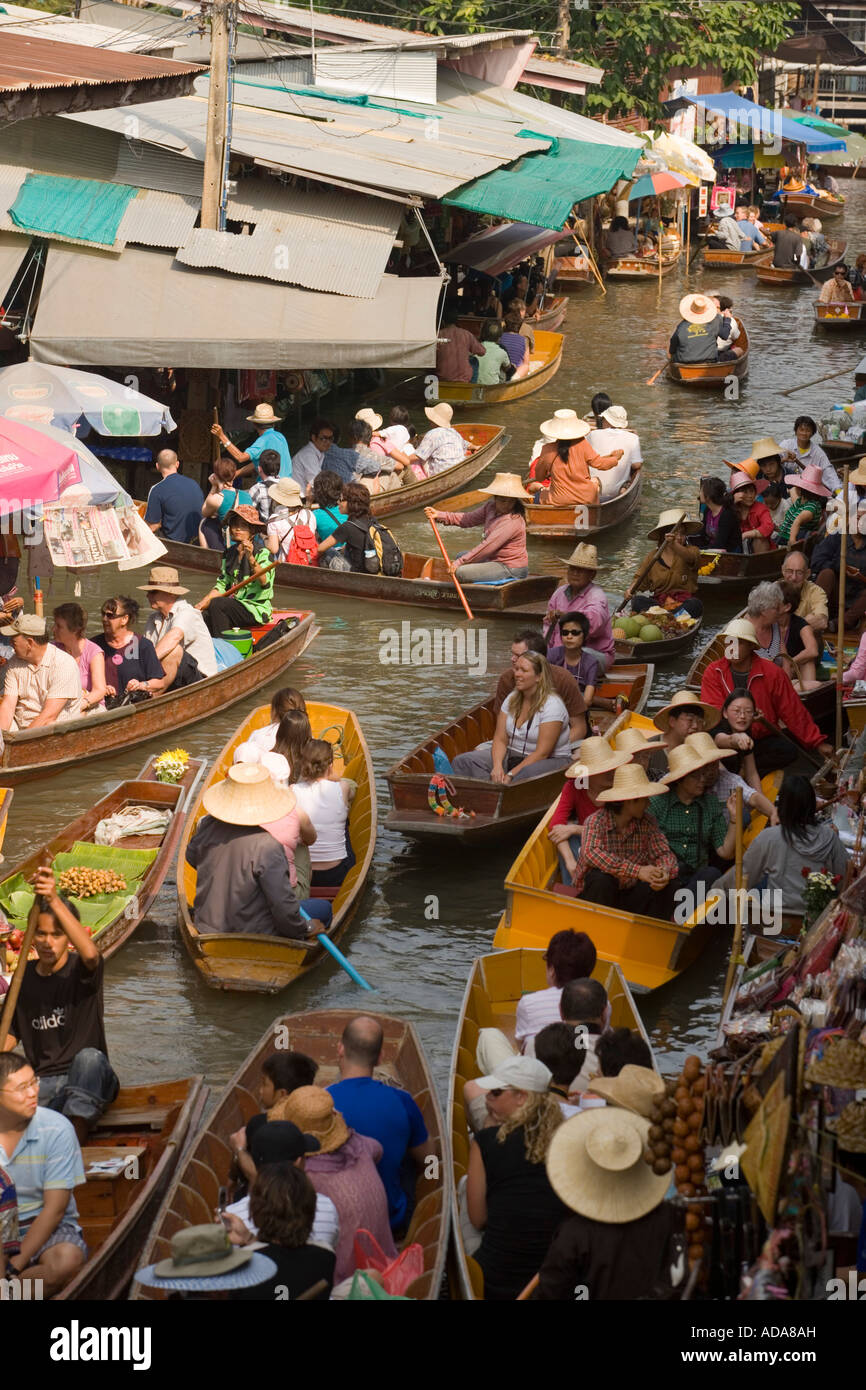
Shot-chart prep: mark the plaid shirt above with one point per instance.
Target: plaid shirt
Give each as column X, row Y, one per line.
column 693, row 830
column 622, row 853
column 9, row 1243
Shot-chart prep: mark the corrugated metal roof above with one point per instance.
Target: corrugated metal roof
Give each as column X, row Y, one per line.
column 394, row 73
column 159, row 219
column 43, row 143
column 459, row 91
column 28, row 64
column 321, row 241
column 65, row 29
column 540, row 67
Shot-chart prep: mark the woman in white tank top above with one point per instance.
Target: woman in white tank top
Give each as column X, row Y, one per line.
column 326, row 800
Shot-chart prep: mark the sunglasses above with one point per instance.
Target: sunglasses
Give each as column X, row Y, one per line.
column 571, row 631
column 113, row 613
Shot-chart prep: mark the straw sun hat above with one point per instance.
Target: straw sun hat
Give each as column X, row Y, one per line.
column 635, row 1089
column 583, row 557
column 248, row 797
column 685, row 759
column 858, row 477
column 439, row 414
column 596, row 756
column 671, row 518
column 370, row 418
column 312, row 1109
column 687, row 699
column 164, row 578
column 565, row 424
column 630, row 783
column 765, row 448
column 596, row 1166
column 697, row 308
column 633, row 741
column 264, row 415
column 508, row 485
column 286, row 492
column 706, row 748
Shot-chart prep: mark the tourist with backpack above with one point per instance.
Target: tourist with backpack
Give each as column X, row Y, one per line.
column 502, row 553
column 370, row 547
column 327, row 490
column 292, row 527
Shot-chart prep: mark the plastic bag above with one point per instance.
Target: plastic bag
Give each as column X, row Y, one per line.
column 367, row 1290
column 397, row 1274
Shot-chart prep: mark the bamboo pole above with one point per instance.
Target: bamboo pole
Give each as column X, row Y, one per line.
column 584, row 248
column 840, row 631
column 659, row 244
column 739, row 884
column 449, row 562
column 688, row 225
column 18, row 977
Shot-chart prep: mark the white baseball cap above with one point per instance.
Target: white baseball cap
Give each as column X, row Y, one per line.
column 518, row 1074
column 247, row 753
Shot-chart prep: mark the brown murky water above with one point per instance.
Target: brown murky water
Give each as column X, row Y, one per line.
column 162, row 1021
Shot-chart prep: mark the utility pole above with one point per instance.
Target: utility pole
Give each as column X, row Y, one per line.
column 217, row 116
column 563, row 27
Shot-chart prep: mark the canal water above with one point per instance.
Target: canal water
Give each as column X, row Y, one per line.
column 161, row 1019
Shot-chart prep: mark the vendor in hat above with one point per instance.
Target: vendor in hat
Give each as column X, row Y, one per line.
column 578, row 800
column 243, row 879
column 581, row 594
column 695, row 337
column 672, row 579
column 264, row 422
column 802, row 449
column 806, row 512
column 178, row 632
column 246, row 558
column 625, row 861
column 619, row 1242
column 502, row 553
column 566, row 461
column 756, row 523
column 693, row 820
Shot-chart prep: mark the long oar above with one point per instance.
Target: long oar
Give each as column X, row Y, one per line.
column 654, row 379
column 324, row 940
column 250, row 579
column 641, row 575
column 831, row 376
column 780, row 733
column 18, row 978
column 450, row 563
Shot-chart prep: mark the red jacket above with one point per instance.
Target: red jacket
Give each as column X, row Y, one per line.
column 574, row 804
column 773, row 693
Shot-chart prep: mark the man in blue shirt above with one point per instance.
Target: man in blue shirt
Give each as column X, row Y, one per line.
column 174, row 503
column 381, row 1112
column 264, row 419
column 751, row 237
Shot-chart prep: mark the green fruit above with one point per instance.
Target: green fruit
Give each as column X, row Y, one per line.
column 650, row 633
column 630, row 626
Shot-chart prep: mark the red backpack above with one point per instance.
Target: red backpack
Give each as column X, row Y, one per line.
column 303, row 547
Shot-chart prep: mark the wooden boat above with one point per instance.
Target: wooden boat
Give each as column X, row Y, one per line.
column 550, row 317
column 425, row 581
column 820, row 702
column 814, row 204
column 627, row 649
column 840, row 315
column 493, row 991
column 839, row 450
column 266, row 964
column 144, row 1132
column 712, row 375
column 37, row 752
column 493, row 809
column 572, row 272
column 111, row 933
column 574, row 521
column 487, row 442
column 643, row 267
column 194, row 1193
column 719, row 259
column 546, row 363
column 736, row 574
column 793, row 275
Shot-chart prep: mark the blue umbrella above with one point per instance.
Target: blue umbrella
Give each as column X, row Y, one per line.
column 34, row 392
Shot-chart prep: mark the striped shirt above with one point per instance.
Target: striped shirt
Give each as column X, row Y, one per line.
column 46, row 1159
column 534, row 1012
column 326, row 1222
column 622, row 853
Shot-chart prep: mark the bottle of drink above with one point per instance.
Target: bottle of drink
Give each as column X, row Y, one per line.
column 38, row 598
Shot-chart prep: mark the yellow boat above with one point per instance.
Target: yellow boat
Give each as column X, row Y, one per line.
column 496, row 984
column 651, row 952
column 266, row 964
column 543, row 367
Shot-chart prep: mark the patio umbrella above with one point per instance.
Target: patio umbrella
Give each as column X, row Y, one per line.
column 33, row 469
column 101, row 484
column 651, row 186
column 67, row 398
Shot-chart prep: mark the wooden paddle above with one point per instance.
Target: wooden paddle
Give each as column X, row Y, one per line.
column 739, row 884
column 840, row 630
column 641, row 575
column 250, row 579
column 428, row 512
column 831, row 376
column 774, row 729
column 18, row 978
column 654, row 379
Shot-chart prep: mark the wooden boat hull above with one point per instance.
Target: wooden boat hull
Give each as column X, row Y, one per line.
column 493, row 808
column 649, row 952
column 152, row 1124
column 205, row 1168
column 712, row 375
column 145, row 790
column 424, row 582
column 550, row 318
column 495, row 986
column 642, row 267
column 628, row 651
column 840, row 315
column 548, row 353
column 489, row 441
column 814, row 205
column 736, row 574
column 267, row 964
column 575, row 521
column 33, row 753
column 794, row 275
column 735, row 260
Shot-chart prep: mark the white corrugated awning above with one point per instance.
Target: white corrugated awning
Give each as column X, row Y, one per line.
column 146, row 310
column 471, row 94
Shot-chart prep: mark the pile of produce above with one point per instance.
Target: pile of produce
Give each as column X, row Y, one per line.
column 652, row 626
column 89, row 883
column 675, row 1142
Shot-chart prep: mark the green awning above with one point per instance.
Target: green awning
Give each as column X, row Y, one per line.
column 81, row 209
column 542, row 188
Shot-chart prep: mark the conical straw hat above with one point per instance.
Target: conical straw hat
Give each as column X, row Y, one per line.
column 508, row 485
column 687, row 699
column 247, row 797
column 630, row 783
column 596, row 1166
column 565, row 424
column 635, row 1089
column 671, row 518
column 704, row 746
column 633, row 741
column 765, row 448
column 682, row 761
column 595, row 755
column 697, row 308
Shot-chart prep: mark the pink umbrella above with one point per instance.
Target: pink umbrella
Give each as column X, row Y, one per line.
column 651, row 185
column 33, row 468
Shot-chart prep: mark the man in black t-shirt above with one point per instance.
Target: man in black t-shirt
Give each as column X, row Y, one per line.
column 58, row 1020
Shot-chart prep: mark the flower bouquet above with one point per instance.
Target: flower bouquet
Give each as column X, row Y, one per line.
column 171, row 765
column 821, row 888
